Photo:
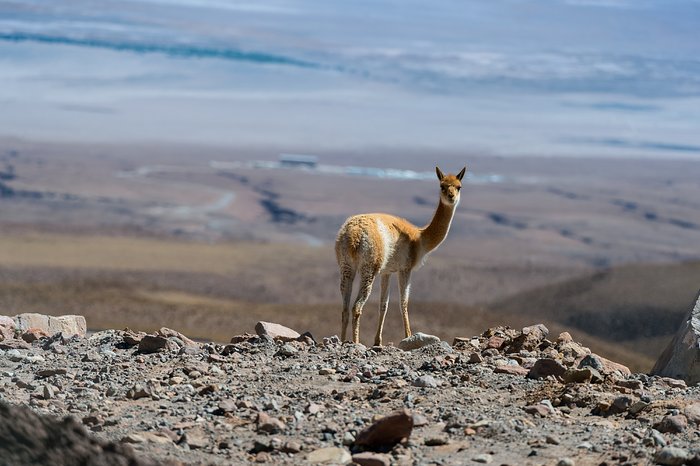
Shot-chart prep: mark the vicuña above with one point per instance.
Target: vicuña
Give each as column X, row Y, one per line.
column 382, row 244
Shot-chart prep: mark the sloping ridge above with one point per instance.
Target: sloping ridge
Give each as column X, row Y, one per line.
column 638, row 306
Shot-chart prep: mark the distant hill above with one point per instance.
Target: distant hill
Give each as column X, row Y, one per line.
column 636, row 306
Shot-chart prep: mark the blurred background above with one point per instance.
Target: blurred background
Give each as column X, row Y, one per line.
column 188, row 163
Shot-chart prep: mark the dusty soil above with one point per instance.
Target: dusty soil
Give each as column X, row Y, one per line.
column 267, row 401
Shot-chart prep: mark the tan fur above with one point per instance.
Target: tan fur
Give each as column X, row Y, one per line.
column 382, row 244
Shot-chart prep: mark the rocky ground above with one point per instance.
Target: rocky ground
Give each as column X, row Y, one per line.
column 515, row 397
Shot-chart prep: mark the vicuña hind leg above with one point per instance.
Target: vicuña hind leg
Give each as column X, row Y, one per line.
column 366, row 281
column 383, row 306
column 405, row 288
column 347, row 275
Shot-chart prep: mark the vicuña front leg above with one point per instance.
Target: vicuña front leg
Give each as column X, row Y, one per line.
column 366, row 281
column 405, row 288
column 383, row 306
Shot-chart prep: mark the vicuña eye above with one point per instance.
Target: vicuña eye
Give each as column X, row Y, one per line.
column 459, row 188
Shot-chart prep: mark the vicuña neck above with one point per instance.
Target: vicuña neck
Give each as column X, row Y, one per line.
column 435, row 232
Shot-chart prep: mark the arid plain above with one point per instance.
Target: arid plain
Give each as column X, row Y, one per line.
column 209, row 240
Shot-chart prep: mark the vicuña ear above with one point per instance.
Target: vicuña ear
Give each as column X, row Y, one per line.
column 439, row 173
column 460, row 175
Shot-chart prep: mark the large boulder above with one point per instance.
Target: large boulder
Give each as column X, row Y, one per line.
column 681, row 358
column 68, row 325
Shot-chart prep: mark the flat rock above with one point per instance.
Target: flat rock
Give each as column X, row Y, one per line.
column 276, row 331
column 426, row 381
column 68, row 325
column 418, row 340
column 329, row 455
column 681, row 358
column 387, row 431
column 511, row 370
column 368, row 458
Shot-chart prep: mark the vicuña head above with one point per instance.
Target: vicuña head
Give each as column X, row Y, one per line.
column 381, row 244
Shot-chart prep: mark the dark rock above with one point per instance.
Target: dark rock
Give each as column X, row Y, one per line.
column 546, row 367
column 387, row 431
column 155, row 343
column 33, row 334
column 674, row 424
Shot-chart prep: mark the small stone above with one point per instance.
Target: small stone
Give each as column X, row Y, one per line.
column 566, row 462
column 291, row 447
column 329, row 455
column 195, row 439
column 620, row 404
column 313, row 408
column 326, row 371
column 484, row 458
column 495, row 342
column 672, row 424
column 585, row 375
column 552, row 440
column 138, row 391
column 529, row 338
column 227, row 406
column 387, row 431
column 48, row 391
column 512, row 370
column 538, row 409
column 33, row 334
column 604, row 366
column 132, row 338
column 51, row 372
column 436, row 441
column 419, row 420
column 657, row 438
column 426, row 381
column 672, row 456
column 287, row 350
column 418, row 340
column 476, row 358
column 133, row 438
column 368, row 458
column 276, row 331
column 692, row 412
column 546, row 367
column 269, row 424
column 178, row 337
